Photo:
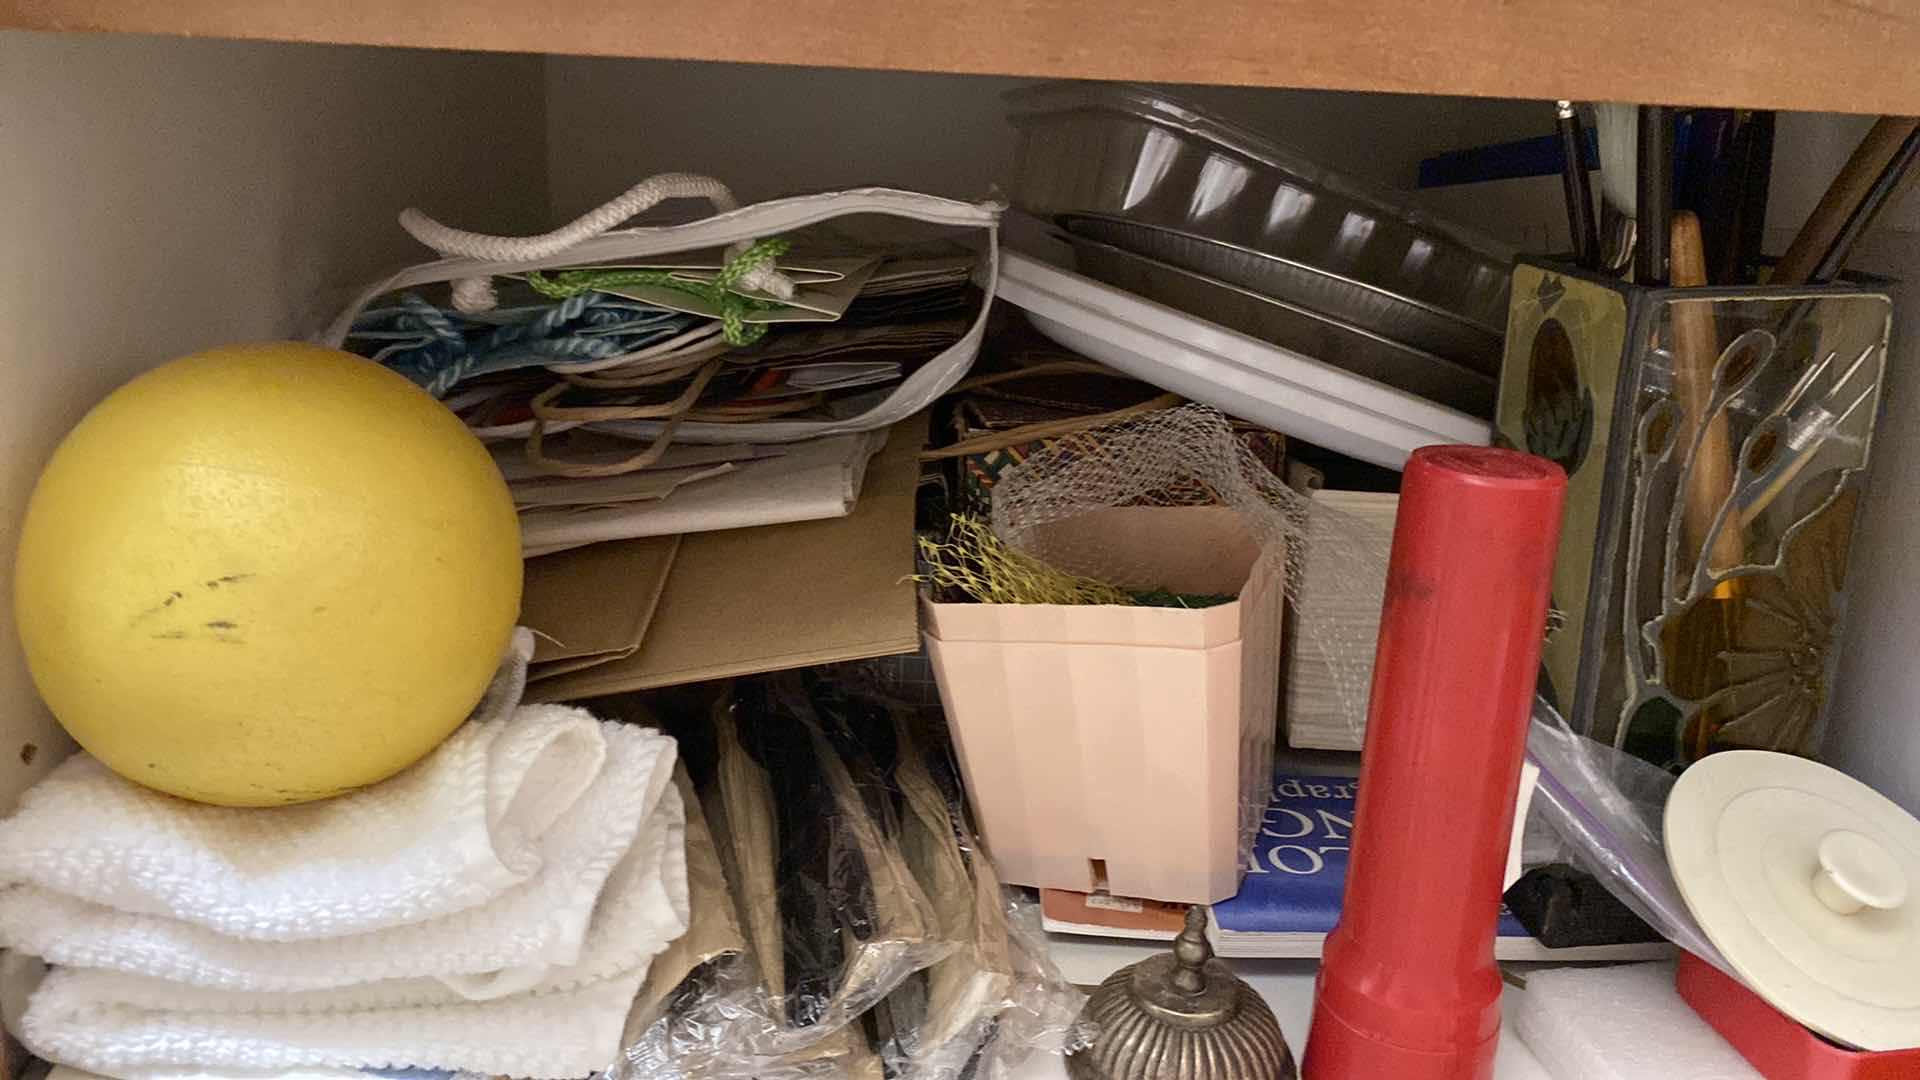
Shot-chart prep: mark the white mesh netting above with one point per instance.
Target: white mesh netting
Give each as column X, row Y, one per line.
column 1334, row 561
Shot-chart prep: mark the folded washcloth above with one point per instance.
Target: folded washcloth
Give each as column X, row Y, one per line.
column 494, row 909
column 567, row 1023
column 451, row 832
column 642, row 910
column 567, row 1034
column 510, row 940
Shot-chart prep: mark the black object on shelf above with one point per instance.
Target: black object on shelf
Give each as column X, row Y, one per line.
column 1564, row 908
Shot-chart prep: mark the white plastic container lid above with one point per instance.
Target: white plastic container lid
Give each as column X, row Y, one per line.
column 1243, row 376
column 1808, row 882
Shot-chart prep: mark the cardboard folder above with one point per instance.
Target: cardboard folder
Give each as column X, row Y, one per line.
column 593, row 604
column 742, row 601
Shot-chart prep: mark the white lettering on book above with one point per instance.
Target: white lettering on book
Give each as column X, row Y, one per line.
column 1319, row 834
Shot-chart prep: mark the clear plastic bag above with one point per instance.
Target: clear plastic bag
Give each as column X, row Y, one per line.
column 1042, row 1014
column 996, row 997
column 871, row 937
column 720, row 1024
column 1606, row 807
column 849, row 922
column 933, row 1015
column 980, row 1011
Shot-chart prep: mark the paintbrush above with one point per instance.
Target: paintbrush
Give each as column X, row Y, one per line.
column 1857, row 193
column 1736, row 204
column 1653, row 195
column 1578, row 184
column 1876, row 172
column 1616, row 134
column 1697, row 639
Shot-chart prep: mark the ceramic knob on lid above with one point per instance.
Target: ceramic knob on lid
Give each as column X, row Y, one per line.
column 1857, row 873
column 1804, row 879
column 1182, row 1016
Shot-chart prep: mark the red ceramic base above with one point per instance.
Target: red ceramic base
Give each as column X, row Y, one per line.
column 1773, row 1044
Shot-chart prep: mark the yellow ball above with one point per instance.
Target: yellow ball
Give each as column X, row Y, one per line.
column 266, row 574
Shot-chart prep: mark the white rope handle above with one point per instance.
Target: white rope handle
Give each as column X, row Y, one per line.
column 476, row 294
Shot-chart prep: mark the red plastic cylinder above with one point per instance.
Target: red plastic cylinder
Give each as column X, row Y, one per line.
column 1408, row 989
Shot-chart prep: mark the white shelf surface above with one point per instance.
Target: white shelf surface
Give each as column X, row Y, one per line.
column 1286, row 984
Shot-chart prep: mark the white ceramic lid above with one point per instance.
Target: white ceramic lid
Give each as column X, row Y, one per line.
column 1808, row 882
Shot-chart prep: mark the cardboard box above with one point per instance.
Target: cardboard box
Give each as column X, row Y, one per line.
column 1136, row 737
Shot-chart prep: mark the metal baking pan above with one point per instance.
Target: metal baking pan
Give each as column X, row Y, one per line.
column 1290, row 326
column 1130, row 152
column 1376, row 310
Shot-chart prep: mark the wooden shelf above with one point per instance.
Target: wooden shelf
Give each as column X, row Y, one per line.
column 1829, row 55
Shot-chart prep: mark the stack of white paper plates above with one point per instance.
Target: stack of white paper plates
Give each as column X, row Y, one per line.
column 1242, row 376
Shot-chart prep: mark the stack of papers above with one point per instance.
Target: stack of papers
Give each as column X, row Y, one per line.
column 636, row 614
column 807, row 481
column 1338, row 607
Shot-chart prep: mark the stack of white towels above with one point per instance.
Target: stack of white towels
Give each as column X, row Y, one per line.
column 492, row 909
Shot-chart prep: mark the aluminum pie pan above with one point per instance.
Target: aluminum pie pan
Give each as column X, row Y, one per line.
column 1135, row 153
column 1290, row 326
column 1423, row 326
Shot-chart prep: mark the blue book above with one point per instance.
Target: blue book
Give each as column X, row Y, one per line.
column 1290, row 898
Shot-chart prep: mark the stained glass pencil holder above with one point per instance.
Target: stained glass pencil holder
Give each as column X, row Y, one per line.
column 1715, row 442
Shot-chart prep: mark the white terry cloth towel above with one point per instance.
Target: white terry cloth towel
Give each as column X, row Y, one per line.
column 568, row 1023
column 448, row 833
column 508, row 942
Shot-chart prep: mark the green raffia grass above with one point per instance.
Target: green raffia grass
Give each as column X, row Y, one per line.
column 972, row 563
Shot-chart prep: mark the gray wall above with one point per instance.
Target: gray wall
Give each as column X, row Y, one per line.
column 769, row 131
column 162, row 195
